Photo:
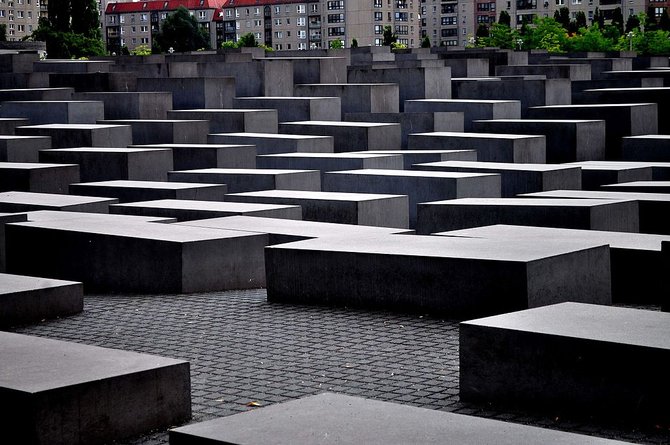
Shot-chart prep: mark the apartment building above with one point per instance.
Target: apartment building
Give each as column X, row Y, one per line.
column 20, row 17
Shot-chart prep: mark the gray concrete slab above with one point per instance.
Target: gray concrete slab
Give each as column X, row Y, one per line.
column 418, row 186
column 411, row 157
column 12, row 202
column 516, row 178
column 325, row 162
column 249, row 180
column 36, row 94
column 189, row 156
column 30, row 299
column 596, row 174
column 472, row 109
column 648, row 147
column 551, row 71
column 232, row 120
column 53, row 112
column 349, row 136
column 164, row 131
column 345, row 208
column 590, row 360
column 336, row 418
column 296, row 108
column 132, row 104
column 187, row 210
column 356, row 97
column 109, row 163
column 109, row 255
column 22, row 148
column 81, row 135
column 592, row 214
column 129, row 191
column 37, row 177
column 451, row 277
column 283, row 230
column 8, row 124
column 620, row 120
column 639, row 187
column 6, row 218
column 63, row 392
column 276, row 143
column 193, row 92
column 490, row 147
column 638, row 275
column 567, row 140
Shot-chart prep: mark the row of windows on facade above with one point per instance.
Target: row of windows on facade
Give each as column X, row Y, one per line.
column 112, row 19
column 12, row 29
column 331, row 18
column 10, row 3
column 299, row 9
column 11, row 14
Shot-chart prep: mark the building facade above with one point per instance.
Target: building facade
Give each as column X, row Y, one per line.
column 20, row 17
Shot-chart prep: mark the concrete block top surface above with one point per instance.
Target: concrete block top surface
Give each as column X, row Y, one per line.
column 11, row 137
column 31, row 165
column 224, row 110
column 212, row 146
column 650, row 136
column 188, row 204
column 343, row 155
column 499, row 166
column 307, row 229
column 245, row 171
column 62, row 215
column 600, row 194
column 47, row 102
column 596, row 106
column 152, row 121
column 34, row 364
column 341, row 124
column 631, row 89
column 616, row 165
column 479, row 135
column 627, row 326
column 121, row 183
column 537, row 121
column 411, row 152
column 273, row 136
column 411, row 173
column 139, row 230
column 466, row 101
column 20, row 283
column 53, row 199
column 443, row 247
column 19, row 90
column 528, row 202
column 105, row 150
column 636, row 184
column 620, row 240
column 339, row 419
column 344, row 85
column 72, row 126
column 285, row 98
column 329, row 196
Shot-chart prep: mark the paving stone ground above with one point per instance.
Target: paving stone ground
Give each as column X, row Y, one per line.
column 246, row 352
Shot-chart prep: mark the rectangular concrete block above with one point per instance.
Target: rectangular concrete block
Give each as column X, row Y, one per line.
column 490, row 147
column 418, row 186
column 187, row 210
column 249, row 180
column 130, row 191
column 13, row 202
column 37, row 177
column 570, row 357
column 131, row 104
column 567, row 140
column 639, row 187
column 191, row 156
column 447, row 276
column 165, row 131
column 193, row 92
column 232, row 120
column 296, row 108
column 106, row 163
column 36, row 94
column 81, row 135
column 62, row 392
column 592, row 214
column 411, row 157
column 356, row 98
column 472, row 109
column 346, row 419
column 9, row 124
column 596, row 174
column 109, row 255
column 22, row 148
column 552, row 71
column 343, row 208
column 349, row 136
column 517, row 178
column 651, row 147
column 276, row 143
column 54, row 112
column 30, row 299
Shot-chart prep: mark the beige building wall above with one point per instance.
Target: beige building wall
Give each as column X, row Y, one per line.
column 20, row 17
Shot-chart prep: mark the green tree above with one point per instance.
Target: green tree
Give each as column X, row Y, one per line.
column 66, row 44
column 425, row 43
column 500, row 36
column 546, row 34
column 3, row 32
column 86, row 21
column 617, row 20
column 562, row 16
column 632, row 24
column 650, row 23
column 580, row 20
column 482, row 31
column 505, row 19
column 598, row 19
column 181, row 32
column 650, row 43
column 247, row 40
column 389, row 36
column 336, row 44
column 664, row 21
column 354, row 43
column 590, row 39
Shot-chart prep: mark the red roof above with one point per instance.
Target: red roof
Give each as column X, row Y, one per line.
column 162, row 5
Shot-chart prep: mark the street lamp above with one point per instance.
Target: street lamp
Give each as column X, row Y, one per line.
column 630, row 40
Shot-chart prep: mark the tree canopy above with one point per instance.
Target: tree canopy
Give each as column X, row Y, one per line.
column 181, row 32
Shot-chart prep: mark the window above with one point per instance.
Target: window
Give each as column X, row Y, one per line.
column 277, row 9
column 145, row 40
column 202, row 15
column 377, row 3
column 143, row 18
column 132, row 28
column 378, row 42
column 287, row 9
column 164, row 15
column 402, row 30
column 257, row 11
column 144, row 28
column 379, row 29
column 400, row 16
column 301, row 21
column 449, row 32
column 449, row 20
column 576, row 2
column 335, row 4
column 279, row 47
column 277, row 22
column 335, row 18
column 378, row 17
column 258, row 23
column 314, row 7
column 300, row 9
column 336, row 31
column 302, row 46
column 229, row 13
column 257, row 35
column 448, row 9
column 279, row 34
column 302, row 34
column 288, row 20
